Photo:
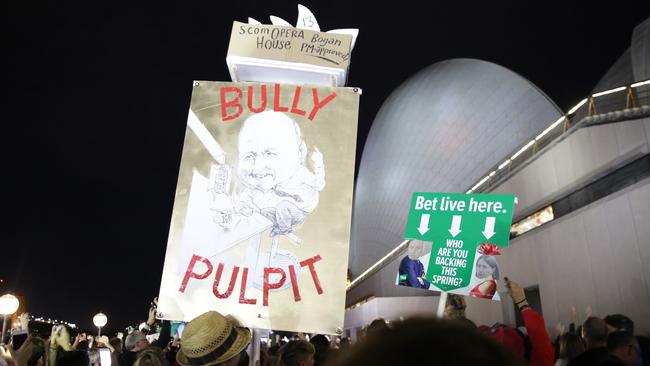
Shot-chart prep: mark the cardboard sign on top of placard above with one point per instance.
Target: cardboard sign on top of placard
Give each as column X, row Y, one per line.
column 282, row 43
column 275, row 53
column 261, row 218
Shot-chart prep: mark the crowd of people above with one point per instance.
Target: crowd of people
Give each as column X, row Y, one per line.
column 215, row 339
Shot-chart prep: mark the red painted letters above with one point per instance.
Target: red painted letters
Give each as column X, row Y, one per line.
column 231, row 97
column 266, row 287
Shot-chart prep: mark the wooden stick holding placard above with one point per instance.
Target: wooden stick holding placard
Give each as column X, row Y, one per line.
column 442, row 302
column 255, row 347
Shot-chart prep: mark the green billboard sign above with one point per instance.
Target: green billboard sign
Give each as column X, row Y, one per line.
column 460, row 226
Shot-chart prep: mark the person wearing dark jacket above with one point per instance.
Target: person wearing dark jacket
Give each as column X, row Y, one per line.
column 594, row 333
column 623, row 350
column 620, row 322
column 137, row 341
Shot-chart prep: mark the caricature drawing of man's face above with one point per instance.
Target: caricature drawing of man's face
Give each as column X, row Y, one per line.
column 270, row 150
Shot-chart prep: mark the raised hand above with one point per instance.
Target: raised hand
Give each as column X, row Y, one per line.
column 63, row 338
column 80, row 337
column 573, row 317
column 22, row 354
column 152, row 312
column 516, row 292
column 5, row 356
column 24, row 320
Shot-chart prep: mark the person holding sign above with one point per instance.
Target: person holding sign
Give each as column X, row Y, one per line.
column 487, row 270
column 411, row 270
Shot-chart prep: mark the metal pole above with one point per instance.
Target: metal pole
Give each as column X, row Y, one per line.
column 442, row 302
column 255, row 347
column 4, row 327
column 99, row 331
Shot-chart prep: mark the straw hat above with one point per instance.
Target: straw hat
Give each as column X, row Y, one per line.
column 211, row 338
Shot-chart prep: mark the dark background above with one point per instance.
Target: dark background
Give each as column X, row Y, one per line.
column 98, row 92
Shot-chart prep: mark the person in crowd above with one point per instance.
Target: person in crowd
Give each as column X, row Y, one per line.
column 422, row 341
column 297, row 353
column 273, row 356
column 5, row 357
column 323, row 350
column 455, row 310
column 30, row 353
column 116, row 343
column 561, row 331
column 151, row 356
column 104, row 342
column 594, row 334
column 212, row 339
column 16, row 357
column 345, row 344
column 455, row 307
column 377, row 326
column 411, row 270
column 623, row 350
column 244, row 359
column 570, row 346
column 37, row 357
column 542, row 352
column 61, row 351
column 171, row 350
column 620, row 322
column 137, row 341
column 512, row 338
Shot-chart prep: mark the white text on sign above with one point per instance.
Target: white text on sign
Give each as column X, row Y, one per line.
column 447, row 204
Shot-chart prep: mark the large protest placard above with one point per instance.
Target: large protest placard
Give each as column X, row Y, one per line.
column 261, row 220
column 456, row 240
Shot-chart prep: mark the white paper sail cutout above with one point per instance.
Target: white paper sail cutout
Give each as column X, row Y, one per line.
column 279, row 21
column 307, row 20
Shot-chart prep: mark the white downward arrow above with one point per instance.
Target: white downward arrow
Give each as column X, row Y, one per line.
column 455, row 225
column 488, row 232
column 424, row 224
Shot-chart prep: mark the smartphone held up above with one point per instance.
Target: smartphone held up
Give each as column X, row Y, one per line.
column 18, row 338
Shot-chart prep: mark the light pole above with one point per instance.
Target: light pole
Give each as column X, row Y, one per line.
column 100, row 320
column 8, row 305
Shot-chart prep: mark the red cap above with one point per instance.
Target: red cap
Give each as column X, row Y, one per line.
column 507, row 336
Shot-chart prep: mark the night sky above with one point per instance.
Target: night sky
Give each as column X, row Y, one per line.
column 98, row 94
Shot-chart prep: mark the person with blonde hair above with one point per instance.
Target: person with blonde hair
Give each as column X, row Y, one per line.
column 151, row 356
